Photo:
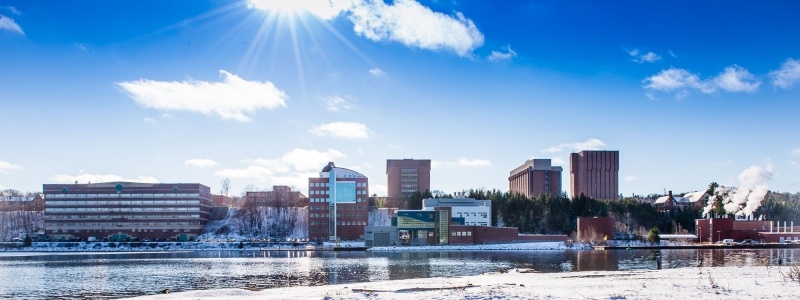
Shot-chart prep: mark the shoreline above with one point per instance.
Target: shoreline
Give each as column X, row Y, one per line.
column 755, row 282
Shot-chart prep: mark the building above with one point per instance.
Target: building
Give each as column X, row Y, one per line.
column 122, row 211
column 670, row 202
column 406, row 176
column 535, row 177
column 718, row 229
column 594, row 174
column 449, row 222
column 338, row 201
column 279, row 196
column 222, row 200
column 466, row 211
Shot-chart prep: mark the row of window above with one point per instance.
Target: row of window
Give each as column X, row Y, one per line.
column 467, row 214
column 409, row 179
column 326, row 184
column 106, row 230
column 65, row 217
column 125, row 202
column 120, row 209
column 408, row 170
column 462, row 233
column 319, row 200
column 110, row 224
column 408, row 175
column 408, row 190
column 46, row 196
column 340, row 207
column 326, row 215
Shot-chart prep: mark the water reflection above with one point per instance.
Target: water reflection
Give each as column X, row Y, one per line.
column 114, row 275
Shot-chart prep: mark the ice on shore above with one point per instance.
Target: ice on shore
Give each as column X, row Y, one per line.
column 682, row 283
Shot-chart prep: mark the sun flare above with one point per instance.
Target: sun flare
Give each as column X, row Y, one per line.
column 324, row 9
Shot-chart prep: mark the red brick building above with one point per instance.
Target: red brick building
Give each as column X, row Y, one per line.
column 279, row 196
column 338, row 201
column 594, row 174
column 535, row 177
column 406, row 176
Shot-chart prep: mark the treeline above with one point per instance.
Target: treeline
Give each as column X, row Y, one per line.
column 780, row 207
column 558, row 214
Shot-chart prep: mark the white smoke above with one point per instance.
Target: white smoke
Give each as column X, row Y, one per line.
column 746, row 198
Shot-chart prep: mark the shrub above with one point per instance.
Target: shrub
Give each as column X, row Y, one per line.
column 654, row 236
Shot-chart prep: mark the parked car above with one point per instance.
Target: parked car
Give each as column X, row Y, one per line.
column 747, row 242
column 727, row 242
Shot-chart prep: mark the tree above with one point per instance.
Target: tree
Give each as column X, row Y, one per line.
column 225, row 186
column 653, row 235
column 28, row 242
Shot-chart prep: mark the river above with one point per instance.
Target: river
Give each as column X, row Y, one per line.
column 26, row 275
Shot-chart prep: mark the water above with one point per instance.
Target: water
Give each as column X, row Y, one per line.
column 115, row 275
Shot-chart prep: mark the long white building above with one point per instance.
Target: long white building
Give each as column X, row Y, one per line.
column 474, row 212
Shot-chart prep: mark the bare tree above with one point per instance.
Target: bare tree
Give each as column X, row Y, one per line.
column 225, row 186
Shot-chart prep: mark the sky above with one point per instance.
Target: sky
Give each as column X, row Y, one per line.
column 266, row 92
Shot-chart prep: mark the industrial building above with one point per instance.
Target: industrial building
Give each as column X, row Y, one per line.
column 594, row 174
column 404, row 177
column 536, row 177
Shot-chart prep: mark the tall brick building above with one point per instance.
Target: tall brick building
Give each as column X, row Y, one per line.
column 594, row 174
column 535, row 177
column 338, row 201
column 406, row 176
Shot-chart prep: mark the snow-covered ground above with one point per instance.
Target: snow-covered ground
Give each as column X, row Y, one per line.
column 682, row 283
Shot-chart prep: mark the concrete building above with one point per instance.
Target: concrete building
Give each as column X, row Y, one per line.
column 279, row 196
column 536, row 177
column 338, row 201
column 406, row 176
column 126, row 210
column 466, row 211
column 718, row 229
column 594, row 174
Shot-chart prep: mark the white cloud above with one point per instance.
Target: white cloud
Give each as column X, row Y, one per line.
column 84, row 177
column 8, row 167
column 412, row 24
column 462, row 162
column 796, row 152
column 788, row 75
column 346, row 130
column 149, row 121
column 590, row 144
column 9, row 24
column 638, row 57
column 499, row 55
column 200, row 162
column 337, row 103
column 737, row 79
column 12, row 10
column 558, row 161
column 676, row 79
column 232, row 98
column 376, row 72
column 631, row 178
column 293, row 168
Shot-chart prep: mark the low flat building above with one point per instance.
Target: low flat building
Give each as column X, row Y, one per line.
column 123, row 211
column 473, row 212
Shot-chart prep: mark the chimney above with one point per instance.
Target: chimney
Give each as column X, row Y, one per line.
column 670, row 194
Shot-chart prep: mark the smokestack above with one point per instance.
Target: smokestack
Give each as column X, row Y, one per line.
column 670, row 194
column 784, row 226
column 792, row 226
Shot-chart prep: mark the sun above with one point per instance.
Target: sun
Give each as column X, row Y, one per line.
column 323, row 9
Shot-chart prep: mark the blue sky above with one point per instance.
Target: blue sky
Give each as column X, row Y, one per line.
column 267, row 92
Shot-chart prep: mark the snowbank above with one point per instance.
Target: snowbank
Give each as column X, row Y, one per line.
column 683, row 283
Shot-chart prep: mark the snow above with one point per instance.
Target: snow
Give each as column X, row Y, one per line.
column 148, row 247
column 681, row 283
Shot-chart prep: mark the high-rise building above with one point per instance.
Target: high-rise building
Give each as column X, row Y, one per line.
column 406, row 176
column 126, row 210
column 535, row 177
column 594, row 174
column 338, row 201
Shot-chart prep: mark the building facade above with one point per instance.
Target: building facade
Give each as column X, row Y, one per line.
column 338, row 201
column 279, row 196
column 594, row 174
column 536, row 177
column 465, row 211
column 406, row 176
column 122, row 211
